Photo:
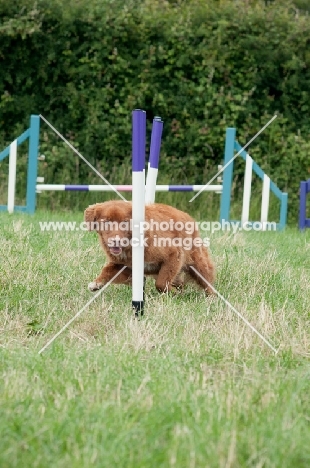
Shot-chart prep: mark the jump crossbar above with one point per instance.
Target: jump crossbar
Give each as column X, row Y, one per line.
column 126, row 188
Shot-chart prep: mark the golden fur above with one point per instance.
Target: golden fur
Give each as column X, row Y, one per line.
column 167, row 264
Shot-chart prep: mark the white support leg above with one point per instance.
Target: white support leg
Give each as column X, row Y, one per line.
column 12, row 176
column 265, row 202
column 247, row 189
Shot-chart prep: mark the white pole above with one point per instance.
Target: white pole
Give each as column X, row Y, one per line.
column 265, row 202
column 138, row 207
column 12, row 176
column 152, row 172
column 150, row 188
column 247, row 189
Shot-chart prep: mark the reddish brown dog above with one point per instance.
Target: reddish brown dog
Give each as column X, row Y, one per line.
column 172, row 246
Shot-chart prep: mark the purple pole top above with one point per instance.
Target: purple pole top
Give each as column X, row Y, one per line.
column 138, row 140
column 157, row 130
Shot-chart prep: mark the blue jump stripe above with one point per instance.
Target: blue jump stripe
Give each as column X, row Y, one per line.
column 20, row 140
column 259, row 172
column 274, row 189
column 228, row 174
column 181, row 188
column 23, row 209
column 77, row 188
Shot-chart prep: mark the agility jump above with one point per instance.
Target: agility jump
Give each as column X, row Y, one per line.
column 35, row 184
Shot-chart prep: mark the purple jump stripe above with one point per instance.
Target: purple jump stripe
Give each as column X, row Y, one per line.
column 138, row 140
column 77, row 188
column 157, row 130
column 181, row 188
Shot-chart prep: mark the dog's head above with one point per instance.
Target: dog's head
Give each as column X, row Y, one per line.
column 112, row 221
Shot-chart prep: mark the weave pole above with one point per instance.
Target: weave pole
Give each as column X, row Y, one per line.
column 152, row 172
column 138, row 207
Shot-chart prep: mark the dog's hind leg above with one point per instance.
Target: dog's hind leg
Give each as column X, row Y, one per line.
column 168, row 273
column 203, row 269
column 108, row 272
column 178, row 282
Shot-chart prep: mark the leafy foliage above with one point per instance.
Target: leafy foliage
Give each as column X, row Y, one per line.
column 202, row 66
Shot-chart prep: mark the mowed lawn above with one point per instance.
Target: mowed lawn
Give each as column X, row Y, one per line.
column 189, row 385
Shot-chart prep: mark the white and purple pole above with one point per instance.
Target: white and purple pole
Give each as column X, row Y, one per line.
column 152, row 172
column 138, row 207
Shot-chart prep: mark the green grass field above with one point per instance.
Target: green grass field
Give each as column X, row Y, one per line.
column 189, row 385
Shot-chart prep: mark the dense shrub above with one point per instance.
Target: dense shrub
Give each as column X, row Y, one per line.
column 202, row 66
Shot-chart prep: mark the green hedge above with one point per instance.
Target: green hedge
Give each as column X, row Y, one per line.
column 202, row 66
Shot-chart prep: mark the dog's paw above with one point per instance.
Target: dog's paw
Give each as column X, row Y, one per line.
column 93, row 286
column 178, row 287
